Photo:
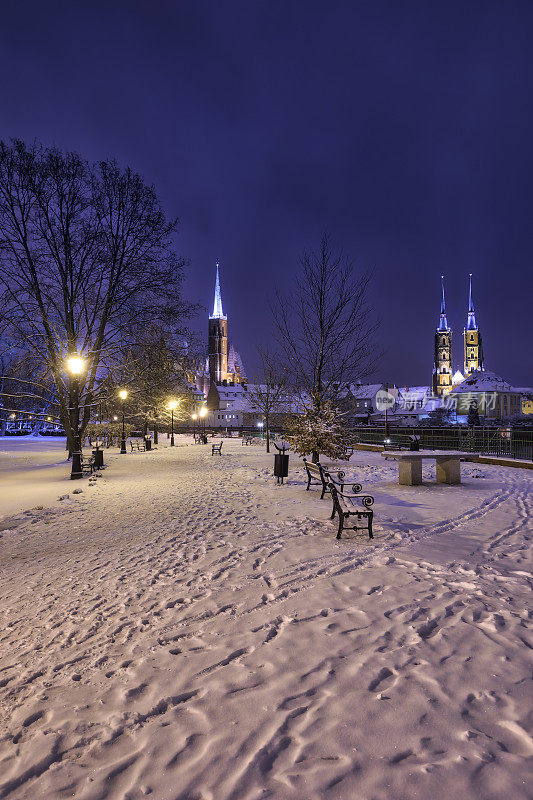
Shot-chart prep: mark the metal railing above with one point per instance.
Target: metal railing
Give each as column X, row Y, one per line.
column 504, row 441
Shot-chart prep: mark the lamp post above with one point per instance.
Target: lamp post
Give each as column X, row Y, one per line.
column 123, row 394
column 194, row 417
column 203, row 413
column 260, row 426
column 172, row 405
column 75, row 366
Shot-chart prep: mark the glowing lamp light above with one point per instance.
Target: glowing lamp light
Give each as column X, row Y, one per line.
column 194, row 416
column 173, row 404
column 49, row 419
column 123, row 394
column 12, row 416
column 75, row 365
column 259, row 424
column 203, row 412
column 115, row 418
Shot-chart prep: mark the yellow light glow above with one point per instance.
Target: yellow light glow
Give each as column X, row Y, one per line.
column 194, row 416
column 75, row 365
column 115, row 418
column 12, row 416
column 172, row 405
column 49, row 419
column 123, row 394
column 203, row 412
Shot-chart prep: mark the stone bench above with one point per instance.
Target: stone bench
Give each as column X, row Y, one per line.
column 410, row 465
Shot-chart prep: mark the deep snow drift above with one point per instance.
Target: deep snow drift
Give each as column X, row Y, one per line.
column 186, row 629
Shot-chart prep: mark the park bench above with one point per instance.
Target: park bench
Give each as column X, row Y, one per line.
column 137, row 444
column 346, row 505
column 216, row 448
column 448, row 465
column 87, row 465
column 316, row 475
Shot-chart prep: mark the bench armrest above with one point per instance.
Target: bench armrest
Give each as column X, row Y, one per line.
column 365, row 499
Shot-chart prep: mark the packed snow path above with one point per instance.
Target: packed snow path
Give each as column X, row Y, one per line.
column 187, row 630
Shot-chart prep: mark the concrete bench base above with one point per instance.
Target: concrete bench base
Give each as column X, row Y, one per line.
column 410, row 471
column 410, row 466
column 448, row 470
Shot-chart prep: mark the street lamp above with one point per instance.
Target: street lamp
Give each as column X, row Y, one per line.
column 75, row 366
column 172, row 405
column 203, row 412
column 260, row 426
column 194, row 417
column 123, row 394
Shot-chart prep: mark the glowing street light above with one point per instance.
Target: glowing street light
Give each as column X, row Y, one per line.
column 75, row 365
column 172, row 405
column 203, row 414
column 123, row 395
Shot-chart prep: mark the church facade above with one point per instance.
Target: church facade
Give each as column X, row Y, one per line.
column 444, row 379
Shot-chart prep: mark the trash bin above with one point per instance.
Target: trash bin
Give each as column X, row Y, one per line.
column 414, row 443
column 148, row 442
column 98, row 458
column 281, row 466
column 281, row 462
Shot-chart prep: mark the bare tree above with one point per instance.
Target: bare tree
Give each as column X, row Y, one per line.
column 326, row 327
column 268, row 393
column 86, row 264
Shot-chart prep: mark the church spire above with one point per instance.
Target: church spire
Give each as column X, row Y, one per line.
column 217, row 305
column 471, row 324
column 443, row 321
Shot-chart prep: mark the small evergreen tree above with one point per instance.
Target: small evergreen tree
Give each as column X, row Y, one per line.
column 318, row 431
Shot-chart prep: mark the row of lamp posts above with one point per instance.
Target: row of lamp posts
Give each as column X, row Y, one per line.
column 75, row 367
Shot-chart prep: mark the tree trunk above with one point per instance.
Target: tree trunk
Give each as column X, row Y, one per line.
column 267, row 425
column 315, row 457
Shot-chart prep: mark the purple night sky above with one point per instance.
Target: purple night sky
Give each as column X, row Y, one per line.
column 404, row 129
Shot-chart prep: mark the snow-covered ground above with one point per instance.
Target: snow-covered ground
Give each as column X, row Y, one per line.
column 185, row 629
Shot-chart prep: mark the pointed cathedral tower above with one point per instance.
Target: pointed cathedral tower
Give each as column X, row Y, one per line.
column 442, row 369
column 218, row 339
column 472, row 339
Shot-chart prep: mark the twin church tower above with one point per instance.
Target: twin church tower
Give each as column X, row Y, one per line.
column 443, row 377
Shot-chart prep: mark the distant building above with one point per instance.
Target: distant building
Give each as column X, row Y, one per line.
column 442, row 366
column 444, row 380
column 473, row 345
column 223, row 365
column 495, row 398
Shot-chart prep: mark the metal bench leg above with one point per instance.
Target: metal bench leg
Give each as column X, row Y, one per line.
column 370, row 534
column 333, row 511
column 341, row 525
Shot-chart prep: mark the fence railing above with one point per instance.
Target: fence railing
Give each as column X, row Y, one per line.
column 504, row 441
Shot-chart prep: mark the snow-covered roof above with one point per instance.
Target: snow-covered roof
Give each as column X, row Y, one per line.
column 414, row 392
column 364, row 391
column 483, row 381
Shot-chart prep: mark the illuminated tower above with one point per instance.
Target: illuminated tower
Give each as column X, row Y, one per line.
column 442, row 369
column 472, row 339
column 218, row 339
